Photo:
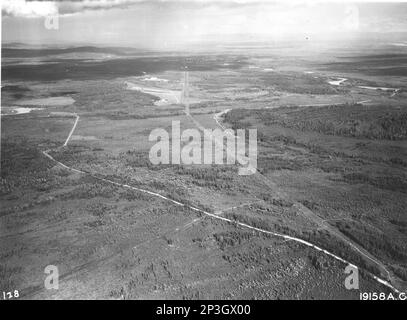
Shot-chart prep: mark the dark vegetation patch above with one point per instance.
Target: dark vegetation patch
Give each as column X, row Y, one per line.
column 91, row 190
column 16, row 91
column 41, row 52
column 216, row 176
column 321, row 238
column 63, row 93
column 393, row 183
column 137, row 159
column 94, row 224
column 310, row 205
column 23, row 166
column 308, row 154
column 400, row 271
column 232, row 238
column 7, row 276
column 320, row 261
column 109, row 69
column 78, row 154
column 378, row 244
column 279, row 202
column 349, row 120
column 298, row 83
column 401, row 225
column 378, row 65
column 124, row 115
column 99, row 209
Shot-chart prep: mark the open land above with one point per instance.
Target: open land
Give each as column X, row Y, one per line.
column 331, row 171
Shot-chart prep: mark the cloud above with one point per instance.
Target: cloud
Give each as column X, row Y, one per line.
column 32, row 9
column 21, row 8
column 69, row 7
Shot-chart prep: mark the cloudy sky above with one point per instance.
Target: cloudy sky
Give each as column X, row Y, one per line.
column 164, row 22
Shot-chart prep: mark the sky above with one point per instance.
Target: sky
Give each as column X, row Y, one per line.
column 161, row 23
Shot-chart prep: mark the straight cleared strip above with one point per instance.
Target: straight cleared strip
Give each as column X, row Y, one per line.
column 72, row 130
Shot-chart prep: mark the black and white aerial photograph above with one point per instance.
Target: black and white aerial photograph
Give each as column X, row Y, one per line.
column 191, row 150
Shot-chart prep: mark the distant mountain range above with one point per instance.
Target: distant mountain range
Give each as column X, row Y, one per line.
column 19, row 50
